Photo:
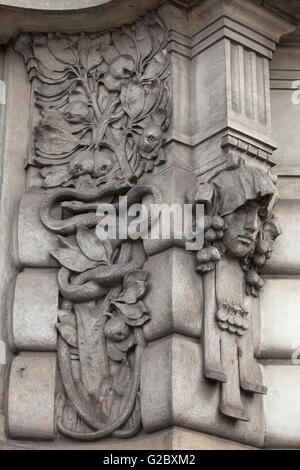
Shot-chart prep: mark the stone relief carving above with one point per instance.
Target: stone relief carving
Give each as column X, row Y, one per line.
column 104, row 102
column 240, row 230
column 104, row 105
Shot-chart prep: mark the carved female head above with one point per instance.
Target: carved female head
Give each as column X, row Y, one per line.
column 243, row 197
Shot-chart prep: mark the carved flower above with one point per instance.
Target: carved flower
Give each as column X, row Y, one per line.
column 88, row 253
column 150, row 141
column 130, row 308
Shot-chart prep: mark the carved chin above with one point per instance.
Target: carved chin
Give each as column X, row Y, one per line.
column 237, row 248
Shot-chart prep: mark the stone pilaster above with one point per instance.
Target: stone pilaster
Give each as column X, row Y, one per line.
column 220, row 52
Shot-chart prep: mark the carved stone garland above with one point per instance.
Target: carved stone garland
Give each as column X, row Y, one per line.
column 104, row 105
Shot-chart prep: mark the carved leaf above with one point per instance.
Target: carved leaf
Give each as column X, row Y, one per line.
column 43, row 55
column 61, row 49
column 55, row 141
column 134, row 287
column 109, row 53
column 133, row 99
column 92, row 348
column 73, row 260
column 143, row 39
column 84, row 44
column 23, row 45
column 92, row 247
column 156, row 67
column 124, row 43
column 56, row 177
column 152, row 93
column 114, row 353
column 123, row 379
column 133, row 315
column 126, row 344
column 68, row 332
column 133, row 292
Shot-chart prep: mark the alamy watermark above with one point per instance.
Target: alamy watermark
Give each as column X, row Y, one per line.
column 155, row 222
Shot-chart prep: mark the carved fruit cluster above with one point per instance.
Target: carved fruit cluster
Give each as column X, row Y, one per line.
column 257, row 259
column 208, row 256
column 233, row 319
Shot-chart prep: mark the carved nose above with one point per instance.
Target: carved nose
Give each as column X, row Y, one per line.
column 251, row 221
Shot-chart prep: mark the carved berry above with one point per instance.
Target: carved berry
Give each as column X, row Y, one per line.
column 217, row 223
column 259, row 260
column 204, row 256
column 116, row 329
column 215, row 254
column 210, row 235
column 76, row 111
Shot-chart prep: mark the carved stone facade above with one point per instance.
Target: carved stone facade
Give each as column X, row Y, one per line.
column 122, row 337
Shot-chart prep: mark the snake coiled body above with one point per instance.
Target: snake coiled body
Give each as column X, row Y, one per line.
column 93, row 283
column 68, row 226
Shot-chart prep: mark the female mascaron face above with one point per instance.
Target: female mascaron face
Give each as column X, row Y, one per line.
column 243, row 226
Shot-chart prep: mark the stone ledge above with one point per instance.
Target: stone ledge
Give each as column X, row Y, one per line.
column 174, row 438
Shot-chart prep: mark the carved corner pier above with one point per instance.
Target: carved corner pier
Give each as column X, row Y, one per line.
column 124, row 338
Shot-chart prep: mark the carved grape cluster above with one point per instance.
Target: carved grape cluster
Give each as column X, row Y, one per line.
column 233, row 318
column 208, row 256
column 257, row 258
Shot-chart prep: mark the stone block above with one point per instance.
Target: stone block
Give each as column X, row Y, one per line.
column 175, row 297
column 280, row 302
column 286, row 255
column 282, row 406
column 35, row 310
column 174, row 392
column 2, row 427
column 34, row 241
column 31, row 396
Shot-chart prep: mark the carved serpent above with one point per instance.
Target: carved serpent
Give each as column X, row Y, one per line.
column 92, row 284
column 103, row 430
column 69, row 226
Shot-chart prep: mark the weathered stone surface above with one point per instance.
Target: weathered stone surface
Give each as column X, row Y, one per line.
column 53, row 4
column 280, row 318
column 2, row 427
column 176, row 364
column 175, row 297
column 174, row 438
column 282, row 406
column 35, row 310
column 34, row 241
column 108, row 15
column 286, row 255
column 31, row 396
column 13, row 142
column 221, row 120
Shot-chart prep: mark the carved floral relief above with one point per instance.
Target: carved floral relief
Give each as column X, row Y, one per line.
column 104, row 110
column 104, row 104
